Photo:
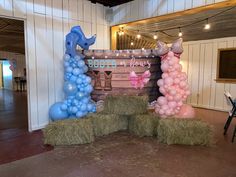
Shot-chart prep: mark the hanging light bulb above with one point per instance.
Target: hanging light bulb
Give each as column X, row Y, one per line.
column 180, row 33
column 122, row 33
column 207, row 25
column 132, row 43
column 155, row 36
column 138, row 35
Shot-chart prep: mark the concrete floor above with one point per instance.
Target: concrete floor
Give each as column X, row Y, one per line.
column 125, row 155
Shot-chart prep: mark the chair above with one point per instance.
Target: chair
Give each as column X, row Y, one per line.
column 232, row 113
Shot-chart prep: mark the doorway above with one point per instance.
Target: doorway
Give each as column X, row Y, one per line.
column 13, row 83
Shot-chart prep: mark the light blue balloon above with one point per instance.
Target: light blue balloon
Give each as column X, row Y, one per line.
column 90, row 107
column 79, row 114
column 73, row 78
column 79, row 95
column 88, row 80
column 66, row 64
column 76, row 71
column 81, row 63
column 64, row 107
column 56, row 113
column 85, row 68
column 79, row 81
column 85, row 100
column 88, row 88
column 66, row 57
column 69, row 69
column 83, row 107
column 74, row 110
column 70, row 88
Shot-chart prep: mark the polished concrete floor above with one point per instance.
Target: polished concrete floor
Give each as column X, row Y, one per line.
column 15, row 140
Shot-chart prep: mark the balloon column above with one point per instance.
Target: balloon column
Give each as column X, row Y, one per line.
column 77, row 85
column 173, row 84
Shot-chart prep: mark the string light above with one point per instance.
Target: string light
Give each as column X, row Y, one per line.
column 121, row 32
column 132, row 43
column 138, row 35
column 155, row 36
column 180, row 32
column 207, row 25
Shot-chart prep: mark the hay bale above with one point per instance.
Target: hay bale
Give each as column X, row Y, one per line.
column 184, row 131
column 143, row 124
column 104, row 124
column 69, row 132
column 125, row 105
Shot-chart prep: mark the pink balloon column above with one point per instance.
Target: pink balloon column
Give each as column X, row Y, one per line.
column 173, row 84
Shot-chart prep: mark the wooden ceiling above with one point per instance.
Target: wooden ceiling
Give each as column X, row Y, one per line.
column 110, row 3
column 12, row 35
column 222, row 21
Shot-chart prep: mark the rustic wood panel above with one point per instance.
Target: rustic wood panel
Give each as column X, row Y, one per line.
column 120, row 75
column 200, row 59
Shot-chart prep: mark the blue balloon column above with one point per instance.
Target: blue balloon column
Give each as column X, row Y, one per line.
column 77, row 86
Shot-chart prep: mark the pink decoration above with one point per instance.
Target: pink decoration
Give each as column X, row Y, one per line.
column 186, row 111
column 139, row 81
column 173, row 84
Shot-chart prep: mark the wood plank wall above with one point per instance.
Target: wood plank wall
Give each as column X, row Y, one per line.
column 199, row 61
column 142, row 9
column 46, row 24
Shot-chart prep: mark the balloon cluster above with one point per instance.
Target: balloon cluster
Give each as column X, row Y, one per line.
column 77, row 86
column 173, row 84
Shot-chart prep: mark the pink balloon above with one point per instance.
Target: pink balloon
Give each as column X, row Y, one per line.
column 161, row 100
column 162, row 90
column 160, row 82
column 172, row 92
column 177, row 97
column 176, row 80
column 164, row 107
column 164, row 67
column 164, row 75
column 172, row 104
column 186, row 111
column 168, row 81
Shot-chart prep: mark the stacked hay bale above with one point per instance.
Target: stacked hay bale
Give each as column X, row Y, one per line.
column 69, row 132
column 104, row 124
column 128, row 113
column 184, row 131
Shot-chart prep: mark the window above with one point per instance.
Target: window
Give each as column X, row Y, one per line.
column 226, row 65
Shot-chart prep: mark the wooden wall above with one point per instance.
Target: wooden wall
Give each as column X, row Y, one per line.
column 200, row 63
column 46, row 24
column 142, row 9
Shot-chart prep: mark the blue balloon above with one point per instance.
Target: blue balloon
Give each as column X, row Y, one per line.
column 66, row 57
column 70, row 88
column 69, row 69
column 79, row 95
column 64, row 107
column 66, row 64
column 76, row 71
column 83, row 107
column 81, row 63
column 73, row 78
column 85, row 68
column 88, row 88
column 79, row 81
column 79, row 114
column 56, row 113
column 88, row 80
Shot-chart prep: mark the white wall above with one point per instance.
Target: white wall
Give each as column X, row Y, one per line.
column 46, row 24
column 141, row 9
column 200, row 63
